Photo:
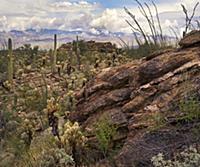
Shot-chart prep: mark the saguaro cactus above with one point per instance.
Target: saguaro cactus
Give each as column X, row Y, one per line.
column 10, row 61
column 54, row 55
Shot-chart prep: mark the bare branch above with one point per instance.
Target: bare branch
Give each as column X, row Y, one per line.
column 188, row 19
column 136, row 38
column 136, row 22
column 125, row 44
column 133, row 26
column 152, row 21
column 158, row 20
column 144, row 13
column 174, row 32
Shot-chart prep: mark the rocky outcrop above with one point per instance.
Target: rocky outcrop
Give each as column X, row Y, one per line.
column 135, row 94
column 190, row 39
column 105, row 47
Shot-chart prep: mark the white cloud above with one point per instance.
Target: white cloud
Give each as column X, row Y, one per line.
column 23, row 14
column 94, row 31
column 3, row 23
column 68, row 15
column 80, row 6
column 169, row 23
column 112, row 20
column 61, row 4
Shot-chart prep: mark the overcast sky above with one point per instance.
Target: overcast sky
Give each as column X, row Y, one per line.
column 87, row 15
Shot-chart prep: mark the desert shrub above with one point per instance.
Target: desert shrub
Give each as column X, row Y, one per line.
column 157, row 120
column 3, row 63
column 16, row 145
column 144, row 50
column 188, row 158
column 27, row 53
column 62, row 56
column 68, row 102
column 44, row 152
column 190, row 108
column 82, row 46
column 35, row 100
column 105, row 132
column 141, row 51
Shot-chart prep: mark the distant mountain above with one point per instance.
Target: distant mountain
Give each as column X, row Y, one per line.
column 44, row 37
column 17, row 33
column 51, row 31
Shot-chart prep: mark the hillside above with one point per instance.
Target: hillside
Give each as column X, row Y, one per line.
column 143, row 100
column 100, row 107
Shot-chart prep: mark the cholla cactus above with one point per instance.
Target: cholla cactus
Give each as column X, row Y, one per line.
column 59, row 67
column 188, row 158
column 28, row 129
column 7, row 84
column 10, row 61
column 72, row 135
column 68, row 102
column 158, row 160
column 73, row 140
column 52, row 106
column 64, row 159
column 93, row 72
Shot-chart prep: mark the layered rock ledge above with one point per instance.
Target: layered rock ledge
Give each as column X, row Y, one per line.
column 131, row 94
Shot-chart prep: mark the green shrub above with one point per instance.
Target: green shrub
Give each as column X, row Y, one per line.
column 190, row 108
column 105, row 132
column 158, row 120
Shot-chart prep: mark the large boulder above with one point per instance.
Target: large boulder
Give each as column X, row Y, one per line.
column 190, row 39
column 133, row 94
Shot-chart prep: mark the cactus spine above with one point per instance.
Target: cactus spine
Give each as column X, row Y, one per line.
column 54, row 55
column 10, row 61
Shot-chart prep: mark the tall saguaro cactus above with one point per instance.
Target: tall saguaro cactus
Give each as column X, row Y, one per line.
column 54, row 55
column 10, row 61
